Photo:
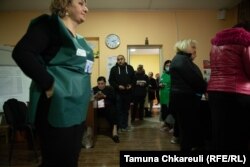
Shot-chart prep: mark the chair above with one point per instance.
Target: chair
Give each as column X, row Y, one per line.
column 15, row 114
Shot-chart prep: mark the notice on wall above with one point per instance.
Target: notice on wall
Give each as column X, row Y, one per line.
column 206, row 70
column 13, row 84
column 110, row 63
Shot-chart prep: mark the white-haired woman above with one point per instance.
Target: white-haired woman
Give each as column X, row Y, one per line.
column 187, row 87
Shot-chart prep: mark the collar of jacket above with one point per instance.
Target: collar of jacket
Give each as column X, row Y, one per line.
column 122, row 67
column 232, row 36
column 184, row 53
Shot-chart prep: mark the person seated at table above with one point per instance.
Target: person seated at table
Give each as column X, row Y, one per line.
column 105, row 99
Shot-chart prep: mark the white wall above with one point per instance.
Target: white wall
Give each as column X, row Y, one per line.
column 13, row 82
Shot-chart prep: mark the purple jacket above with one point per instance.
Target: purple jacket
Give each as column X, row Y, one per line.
column 230, row 61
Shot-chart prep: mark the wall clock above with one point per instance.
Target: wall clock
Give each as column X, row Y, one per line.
column 112, row 41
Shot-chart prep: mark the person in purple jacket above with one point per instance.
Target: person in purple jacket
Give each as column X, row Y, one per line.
column 229, row 88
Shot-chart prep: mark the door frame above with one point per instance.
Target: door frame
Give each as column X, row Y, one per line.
column 129, row 47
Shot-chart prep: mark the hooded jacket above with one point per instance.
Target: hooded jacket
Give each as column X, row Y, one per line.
column 121, row 75
column 140, row 90
column 230, row 61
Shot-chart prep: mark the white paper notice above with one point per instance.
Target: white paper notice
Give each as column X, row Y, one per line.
column 100, row 103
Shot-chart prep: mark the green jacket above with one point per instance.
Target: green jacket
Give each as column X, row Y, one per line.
column 71, row 69
column 165, row 91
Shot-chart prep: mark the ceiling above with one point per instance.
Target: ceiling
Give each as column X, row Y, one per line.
column 118, row 5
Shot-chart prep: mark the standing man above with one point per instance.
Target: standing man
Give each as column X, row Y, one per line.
column 139, row 93
column 151, row 93
column 121, row 78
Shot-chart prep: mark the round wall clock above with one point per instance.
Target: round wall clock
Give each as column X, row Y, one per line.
column 112, row 41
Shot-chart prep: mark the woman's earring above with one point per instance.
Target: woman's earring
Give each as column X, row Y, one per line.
column 67, row 13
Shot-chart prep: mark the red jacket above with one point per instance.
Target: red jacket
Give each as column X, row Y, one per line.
column 230, row 62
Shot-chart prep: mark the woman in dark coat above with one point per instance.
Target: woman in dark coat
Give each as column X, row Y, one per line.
column 187, row 87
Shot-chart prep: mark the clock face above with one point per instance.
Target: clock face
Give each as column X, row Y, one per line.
column 112, row 41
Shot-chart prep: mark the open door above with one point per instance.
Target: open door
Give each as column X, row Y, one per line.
column 150, row 56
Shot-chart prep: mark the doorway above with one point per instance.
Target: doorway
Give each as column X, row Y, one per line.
column 150, row 56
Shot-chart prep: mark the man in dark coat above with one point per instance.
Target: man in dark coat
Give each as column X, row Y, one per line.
column 152, row 86
column 121, row 78
column 140, row 92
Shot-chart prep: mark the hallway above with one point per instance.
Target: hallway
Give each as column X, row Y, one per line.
column 144, row 136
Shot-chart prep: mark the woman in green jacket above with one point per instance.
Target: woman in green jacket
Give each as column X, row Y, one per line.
column 59, row 62
column 164, row 94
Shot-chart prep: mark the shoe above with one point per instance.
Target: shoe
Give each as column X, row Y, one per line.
column 125, row 129
column 88, row 138
column 164, row 129
column 171, row 130
column 174, row 140
column 116, row 139
column 129, row 128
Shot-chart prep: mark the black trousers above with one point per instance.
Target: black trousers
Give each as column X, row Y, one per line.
column 59, row 146
column 109, row 113
column 138, row 106
column 164, row 112
column 157, row 95
column 122, row 107
column 230, row 121
column 186, row 107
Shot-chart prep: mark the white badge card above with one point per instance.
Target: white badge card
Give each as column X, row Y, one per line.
column 100, row 103
column 89, row 66
column 81, row 52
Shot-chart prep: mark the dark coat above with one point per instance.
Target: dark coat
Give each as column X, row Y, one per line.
column 109, row 92
column 121, row 75
column 41, row 41
column 152, row 86
column 140, row 90
column 186, row 76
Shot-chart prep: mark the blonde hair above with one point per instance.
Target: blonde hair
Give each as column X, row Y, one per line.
column 59, row 7
column 182, row 45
